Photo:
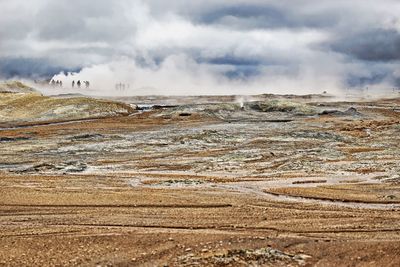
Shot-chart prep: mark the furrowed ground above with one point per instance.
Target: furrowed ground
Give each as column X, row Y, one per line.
column 273, row 182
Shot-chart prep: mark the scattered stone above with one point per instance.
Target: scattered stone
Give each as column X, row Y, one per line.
column 349, row 112
column 66, row 167
column 352, row 112
column 245, row 256
column 310, row 182
column 13, row 139
column 189, row 182
column 85, row 137
column 318, row 135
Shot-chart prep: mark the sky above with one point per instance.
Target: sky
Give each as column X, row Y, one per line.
column 204, row 47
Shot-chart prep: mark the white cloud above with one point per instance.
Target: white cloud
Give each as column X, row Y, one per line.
column 238, row 46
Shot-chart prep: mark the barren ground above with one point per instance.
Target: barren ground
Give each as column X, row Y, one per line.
column 272, row 184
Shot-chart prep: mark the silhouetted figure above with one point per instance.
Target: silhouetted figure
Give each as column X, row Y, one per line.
column 73, row 84
column 79, row 83
column 87, row 84
column 53, row 83
column 61, row 83
column 119, row 86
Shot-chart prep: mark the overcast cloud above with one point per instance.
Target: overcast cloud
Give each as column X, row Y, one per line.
column 202, row 47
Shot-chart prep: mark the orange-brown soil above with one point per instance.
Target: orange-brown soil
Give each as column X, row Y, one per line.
column 160, row 188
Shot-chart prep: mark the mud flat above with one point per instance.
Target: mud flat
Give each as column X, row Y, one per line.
column 288, row 181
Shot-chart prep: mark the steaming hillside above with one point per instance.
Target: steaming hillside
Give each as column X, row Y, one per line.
column 20, row 103
column 15, row 87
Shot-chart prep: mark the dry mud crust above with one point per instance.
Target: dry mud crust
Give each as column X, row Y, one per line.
column 360, row 193
column 162, row 189
column 83, row 223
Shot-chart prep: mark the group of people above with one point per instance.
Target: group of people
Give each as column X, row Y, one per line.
column 79, row 84
column 56, row 83
column 121, row 86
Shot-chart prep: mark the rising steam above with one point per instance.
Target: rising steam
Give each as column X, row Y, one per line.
column 180, row 75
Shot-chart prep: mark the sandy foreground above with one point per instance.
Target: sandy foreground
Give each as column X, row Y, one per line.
column 287, row 182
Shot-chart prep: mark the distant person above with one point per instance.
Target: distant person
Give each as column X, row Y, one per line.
column 61, row 84
column 53, row 83
column 119, row 86
column 79, row 83
column 87, row 84
column 73, row 84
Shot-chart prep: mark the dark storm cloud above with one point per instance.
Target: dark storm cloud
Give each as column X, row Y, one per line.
column 283, row 43
column 262, row 15
column 243, row 72
column 33, row 68
column 373, row 45
column 373, row 78
column 232, row 60
column 247, row 16
column 397, row 82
